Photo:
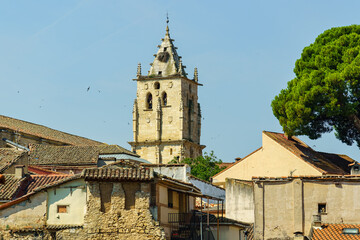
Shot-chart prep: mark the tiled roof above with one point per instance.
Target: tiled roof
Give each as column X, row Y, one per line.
column 36, row 181
column 39, row 188
column 63, row 155
column 71, row 155
column 41, row 171
column 43, row 132
column 309, row 177
column 334, row 231
column 114, row 149
column 11, row 187
column 107, row 173
column 9, row 156
column 250, row 232
column 327, row 163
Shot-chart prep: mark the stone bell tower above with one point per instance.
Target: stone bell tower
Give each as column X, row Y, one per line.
column 166, row 113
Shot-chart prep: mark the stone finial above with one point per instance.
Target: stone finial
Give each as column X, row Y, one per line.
column 195, row 75
column 138, row 74
column 135, row 106
column 180, row 67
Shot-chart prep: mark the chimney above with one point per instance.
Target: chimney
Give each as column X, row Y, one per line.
column 237, row 159
column 19, row 171
column 287, row 136
column 317, row 221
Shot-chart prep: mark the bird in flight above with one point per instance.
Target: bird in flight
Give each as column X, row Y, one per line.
column 88, row 89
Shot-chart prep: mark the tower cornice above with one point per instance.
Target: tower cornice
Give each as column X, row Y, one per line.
column 152, row 78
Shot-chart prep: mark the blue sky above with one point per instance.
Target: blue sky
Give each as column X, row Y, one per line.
column 52, row 51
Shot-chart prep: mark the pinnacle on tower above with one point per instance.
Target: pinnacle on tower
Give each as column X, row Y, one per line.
column 138, row 74
column 195, row 75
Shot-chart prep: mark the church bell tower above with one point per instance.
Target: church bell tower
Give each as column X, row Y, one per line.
column 166, row 113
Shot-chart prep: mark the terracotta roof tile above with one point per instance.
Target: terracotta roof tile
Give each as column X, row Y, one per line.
column 133, row 174
column 12, row 185
column 42, row 180
column 63, row 155
column 9, row 156
column 335, row 231
column 42, row 171
column 327, row 163
column 43, row 132
column 71, row 155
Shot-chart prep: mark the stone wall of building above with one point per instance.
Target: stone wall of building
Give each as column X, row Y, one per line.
column 117, row 222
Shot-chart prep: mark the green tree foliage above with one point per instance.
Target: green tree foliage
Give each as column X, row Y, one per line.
column 325, row 94
column 203, row 167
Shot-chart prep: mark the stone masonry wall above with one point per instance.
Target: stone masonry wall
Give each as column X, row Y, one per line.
column 118, row 223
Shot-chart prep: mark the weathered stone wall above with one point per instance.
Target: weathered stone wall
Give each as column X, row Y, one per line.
column 159, row 135
column 117, row 223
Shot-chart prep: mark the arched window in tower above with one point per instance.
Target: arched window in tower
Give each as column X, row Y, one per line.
column 149, row 101
column 157, row 85
column 164, row 98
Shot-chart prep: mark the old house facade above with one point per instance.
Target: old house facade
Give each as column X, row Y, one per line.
column 100, row 203
column 166, row 113
column 283, row 156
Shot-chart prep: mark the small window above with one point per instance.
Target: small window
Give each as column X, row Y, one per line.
column 170, row 151
column 159, row 73
column 157, row 84
column 149, row 101
column 170, row 198
column 322, row 208
column 62, row 208
column 164, row 99
column 165, row 49
column 350, row 231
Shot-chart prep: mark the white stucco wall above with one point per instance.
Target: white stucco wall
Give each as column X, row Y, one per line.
column 72, row 194
column 177, row 172
column 29, row 213
column 239, row 200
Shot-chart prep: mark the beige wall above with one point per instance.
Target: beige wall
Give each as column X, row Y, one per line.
column 31, row 214
column 72, row 195
column 174, row 121
column 272, row 160
column 285, row 207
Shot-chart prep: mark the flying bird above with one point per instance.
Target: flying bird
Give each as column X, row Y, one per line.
column 88, row 89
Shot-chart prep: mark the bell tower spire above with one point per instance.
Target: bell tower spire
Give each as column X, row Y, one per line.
column 166, row 108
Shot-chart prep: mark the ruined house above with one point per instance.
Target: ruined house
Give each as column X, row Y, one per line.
column 100, row 203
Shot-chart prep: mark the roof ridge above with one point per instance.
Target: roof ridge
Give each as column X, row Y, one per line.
column 43, row 126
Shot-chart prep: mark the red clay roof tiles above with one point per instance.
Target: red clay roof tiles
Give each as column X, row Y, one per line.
column 335, row 231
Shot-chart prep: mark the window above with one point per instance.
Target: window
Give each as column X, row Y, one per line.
column 164, row 99
column 165, row 49
column 322, row 208
column 350, row 231
column 170, row 151
column 170, row 198
column 157, row 84
column 149, row 101
column 62, row 208
column 159, row 73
